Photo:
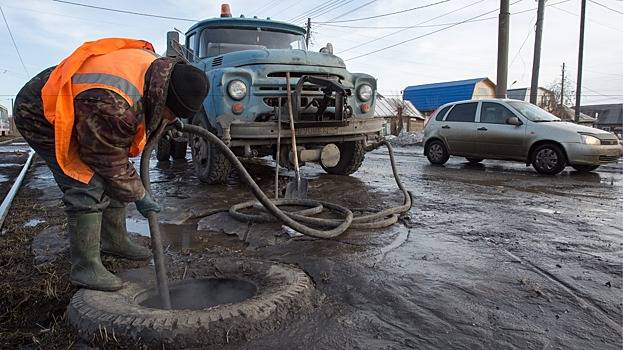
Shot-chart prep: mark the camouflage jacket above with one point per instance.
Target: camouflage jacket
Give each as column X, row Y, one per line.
column 104, row 127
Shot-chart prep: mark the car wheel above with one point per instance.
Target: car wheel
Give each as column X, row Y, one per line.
column 163, row 150
column 474, row 160
column 585, row 168
column 436, row 152
column 352, row 155
column 548, row 159
column 211, row 165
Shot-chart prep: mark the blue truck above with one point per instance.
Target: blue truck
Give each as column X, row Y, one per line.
column 249, row 63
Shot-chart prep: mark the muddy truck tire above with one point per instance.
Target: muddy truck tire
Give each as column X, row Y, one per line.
column 211, row 166
column 283, row 292
column 352, row 155
column 179, row 149
column 163, row 151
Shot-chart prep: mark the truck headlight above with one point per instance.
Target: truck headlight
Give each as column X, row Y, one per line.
column 237, row 89
column 364, row 92
column 589, row 140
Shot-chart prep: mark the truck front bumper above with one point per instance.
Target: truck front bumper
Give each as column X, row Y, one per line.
column 581, row 154
column 265, row 133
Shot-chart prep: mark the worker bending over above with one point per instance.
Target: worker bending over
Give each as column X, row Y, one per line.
column 85, row 117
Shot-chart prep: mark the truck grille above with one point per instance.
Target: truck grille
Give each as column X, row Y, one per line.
column 217, row 61
column 608, row 159
column 300, row 74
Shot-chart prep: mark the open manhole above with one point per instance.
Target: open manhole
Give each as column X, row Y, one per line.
column 226, row 301
column 201, row 294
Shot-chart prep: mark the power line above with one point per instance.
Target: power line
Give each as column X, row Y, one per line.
column 264, row 7
column 424, row 35
column 126, row 12
column 14, row 43
column 312, row 10
column 410, row 27
column 606, row 7
column 390, row 13
column 351, row 11
column 590, row 20
column 333, row 9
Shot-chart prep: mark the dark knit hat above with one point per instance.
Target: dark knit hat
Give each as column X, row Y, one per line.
column 188, row 88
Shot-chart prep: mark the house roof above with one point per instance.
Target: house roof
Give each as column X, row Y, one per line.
column 429, row 97
column 607, row 114
column 570, row 115
column 386, row 107
column 517, row 94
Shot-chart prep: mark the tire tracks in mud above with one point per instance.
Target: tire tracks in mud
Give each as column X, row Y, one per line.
column 585, row 303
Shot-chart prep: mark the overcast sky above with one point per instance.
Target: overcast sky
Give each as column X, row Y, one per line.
column 47, row 31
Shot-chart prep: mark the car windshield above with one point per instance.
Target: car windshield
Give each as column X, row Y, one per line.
column 532, row 112
column 218, row 41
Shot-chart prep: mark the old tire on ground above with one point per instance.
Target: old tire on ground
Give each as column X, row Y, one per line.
column 283, row 292
column 352, row 154
column 548, row 159
column 163, row 151
column 179, row 149
column 436, row 152
column 211, row 166
column 584, row 168
column 474, row 160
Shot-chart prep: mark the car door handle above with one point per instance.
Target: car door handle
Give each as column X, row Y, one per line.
column 446, row 127
column 482, row 129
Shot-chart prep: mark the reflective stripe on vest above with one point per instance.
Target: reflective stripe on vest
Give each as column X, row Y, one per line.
column 111, row 80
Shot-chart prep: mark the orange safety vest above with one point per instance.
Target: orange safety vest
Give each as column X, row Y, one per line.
column 115, row 64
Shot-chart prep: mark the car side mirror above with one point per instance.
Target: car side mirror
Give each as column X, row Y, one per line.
column 514, row 121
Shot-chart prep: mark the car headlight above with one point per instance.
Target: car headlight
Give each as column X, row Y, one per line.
column 364, row 92
column 590, row 140
column 237, row 89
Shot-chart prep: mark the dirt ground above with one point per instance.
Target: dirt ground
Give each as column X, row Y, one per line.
column 490, row 256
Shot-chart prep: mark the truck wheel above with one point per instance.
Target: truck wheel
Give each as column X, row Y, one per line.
column 179, row 149
column 163, row 151
column 210, row 164
column 352, row 154
column 548, row 159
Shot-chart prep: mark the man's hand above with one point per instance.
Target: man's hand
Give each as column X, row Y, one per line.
column 147, row 204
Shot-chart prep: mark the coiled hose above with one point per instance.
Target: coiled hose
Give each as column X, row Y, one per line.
column 299, row 220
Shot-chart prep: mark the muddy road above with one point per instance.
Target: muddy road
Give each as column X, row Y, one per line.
column 490, row 256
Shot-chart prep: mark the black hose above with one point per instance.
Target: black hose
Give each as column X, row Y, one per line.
column 296, row 220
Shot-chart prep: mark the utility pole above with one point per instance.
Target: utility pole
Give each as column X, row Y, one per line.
column 536, row 60
column 578, row 89
column 308, row 34
column 562, row 86
column 503, row 32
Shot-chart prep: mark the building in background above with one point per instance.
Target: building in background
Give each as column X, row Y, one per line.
column 398, row 115
column 428, row 97
column 609, row 116
column 545, row 98
column 5, row 123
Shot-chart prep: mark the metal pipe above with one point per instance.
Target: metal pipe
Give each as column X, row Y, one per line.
column 154, row 226
column 578, row 89
column 8, row 200
column 278, row 154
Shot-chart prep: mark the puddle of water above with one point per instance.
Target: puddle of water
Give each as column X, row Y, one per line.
column 34, row 222
column 179, row 237
column 201, row 294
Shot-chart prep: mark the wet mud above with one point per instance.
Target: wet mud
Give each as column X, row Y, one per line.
column 490, row 256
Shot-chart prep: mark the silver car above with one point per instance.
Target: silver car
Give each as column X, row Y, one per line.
column 515, row 130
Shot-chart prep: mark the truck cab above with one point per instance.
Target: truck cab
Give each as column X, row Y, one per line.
column 249, row 63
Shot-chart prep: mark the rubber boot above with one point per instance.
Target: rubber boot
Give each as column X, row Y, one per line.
column 86, row 265
column 115, row 240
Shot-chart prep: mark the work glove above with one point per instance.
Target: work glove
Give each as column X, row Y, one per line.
column 147, row 204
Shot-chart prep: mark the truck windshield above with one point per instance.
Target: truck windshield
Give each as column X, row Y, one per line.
column 218, row 41
column 532, row 112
